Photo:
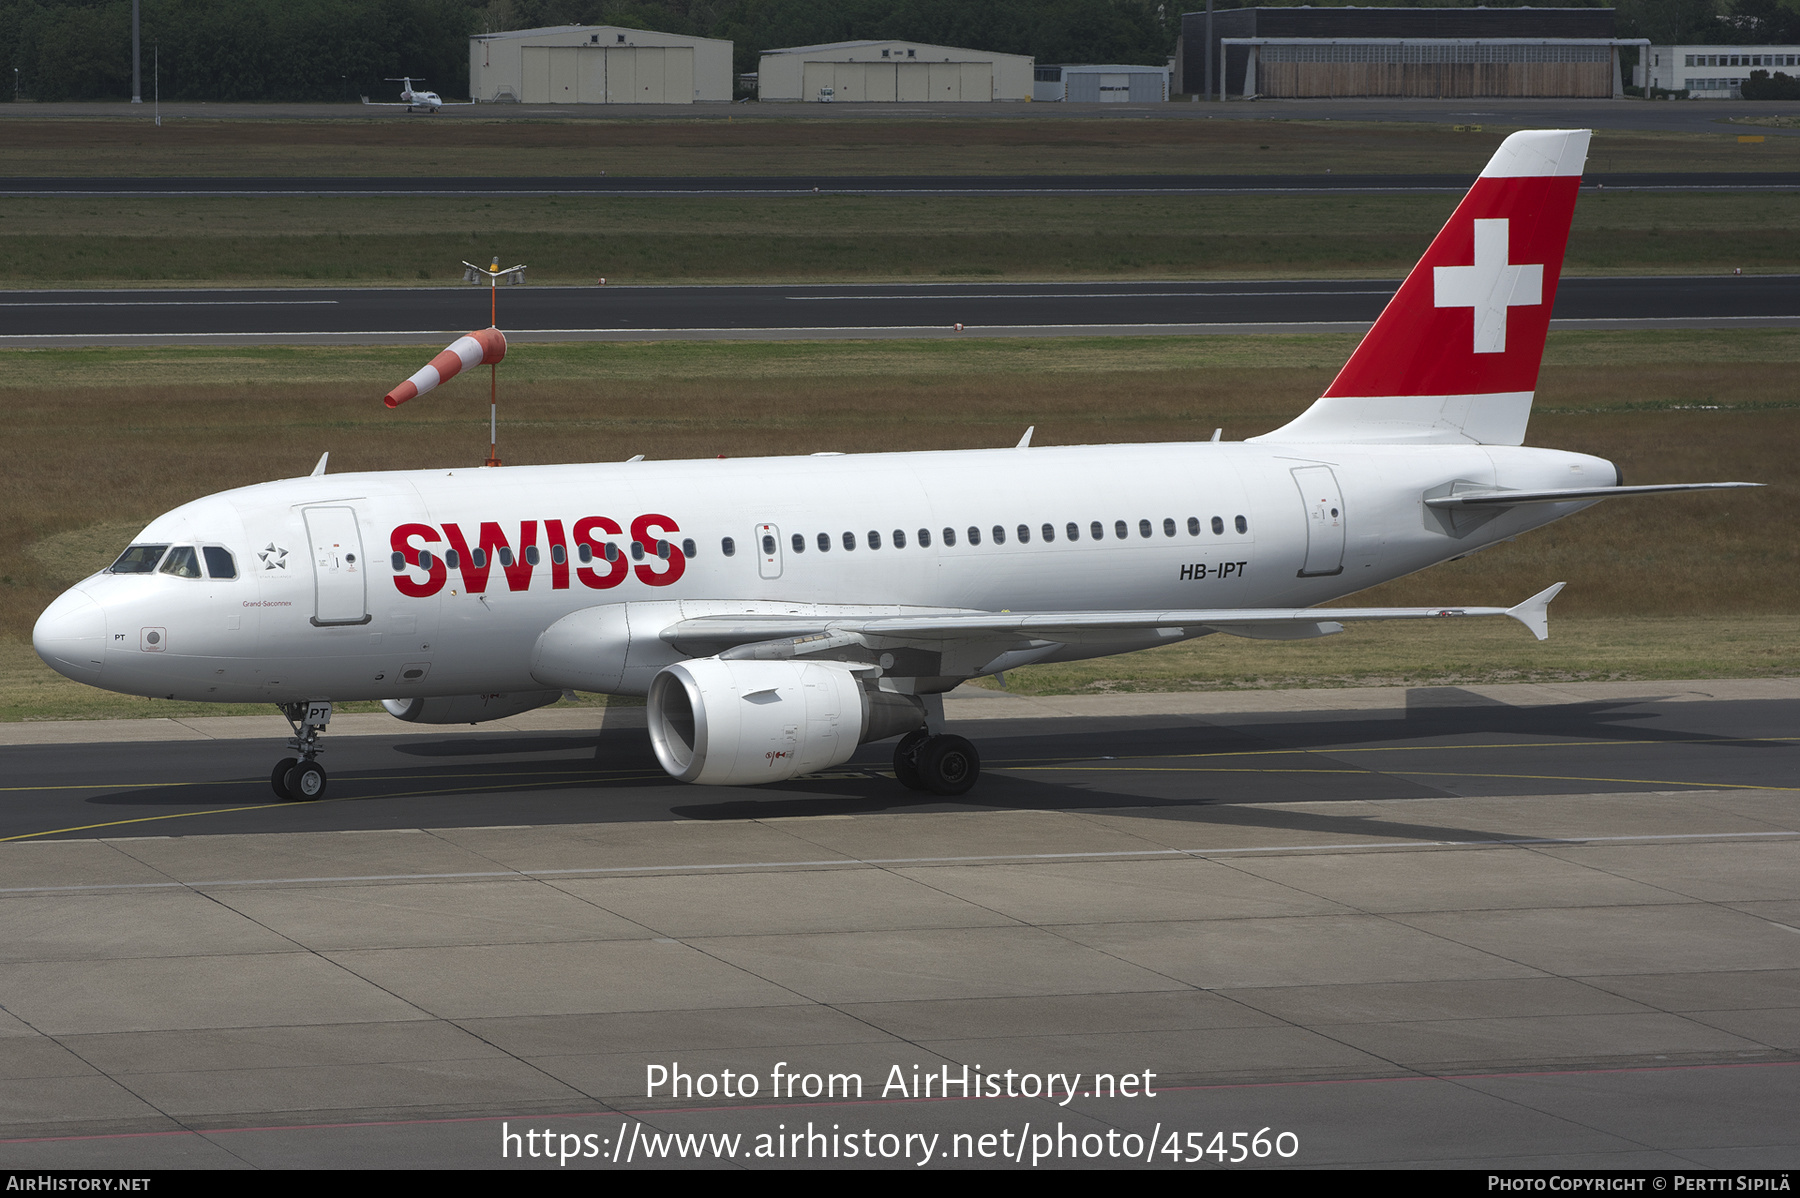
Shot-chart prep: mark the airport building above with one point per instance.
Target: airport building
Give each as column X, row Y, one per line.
column 597, row 64
column 1101, row 84
column 908, row 72
column 1419, row 52
column 1714, row 72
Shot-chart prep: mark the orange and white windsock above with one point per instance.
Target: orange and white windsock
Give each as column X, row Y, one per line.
column 483, row 347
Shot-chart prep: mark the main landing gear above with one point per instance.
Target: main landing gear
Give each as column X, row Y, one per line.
column 302, row 777
column 939, row 763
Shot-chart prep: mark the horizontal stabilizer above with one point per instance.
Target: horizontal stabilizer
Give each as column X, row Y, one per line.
column 1571, row 494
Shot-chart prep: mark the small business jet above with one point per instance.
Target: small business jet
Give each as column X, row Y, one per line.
column 776, row 613
column 410, row 99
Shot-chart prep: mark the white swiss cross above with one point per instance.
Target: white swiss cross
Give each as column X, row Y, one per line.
column 1490, row 287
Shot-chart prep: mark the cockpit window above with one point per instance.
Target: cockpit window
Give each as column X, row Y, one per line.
column 139, row 559
column 219, row 562
column 182, row 562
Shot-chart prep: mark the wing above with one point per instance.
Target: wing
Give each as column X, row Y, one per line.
column 968, row 644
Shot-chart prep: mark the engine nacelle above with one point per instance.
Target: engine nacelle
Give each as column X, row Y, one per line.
column 467, row 709
column 737, row 723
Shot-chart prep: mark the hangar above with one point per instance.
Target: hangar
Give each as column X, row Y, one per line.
column 1421, row 52
column 877, row 71
column 1090, row 84
column 597, row 64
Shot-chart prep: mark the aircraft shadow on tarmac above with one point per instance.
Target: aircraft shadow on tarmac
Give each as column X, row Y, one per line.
column 1173, row 768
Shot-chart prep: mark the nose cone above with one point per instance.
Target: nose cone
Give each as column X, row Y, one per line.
column 71, row 636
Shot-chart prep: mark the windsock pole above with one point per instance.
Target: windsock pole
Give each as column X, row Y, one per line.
column 481, row 346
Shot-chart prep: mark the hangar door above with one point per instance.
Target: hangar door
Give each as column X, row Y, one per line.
column 948, row 82
column 608, row 75
column 909, row 82
column 850, row 81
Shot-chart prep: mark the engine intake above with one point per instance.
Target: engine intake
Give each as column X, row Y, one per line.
column 737, row 723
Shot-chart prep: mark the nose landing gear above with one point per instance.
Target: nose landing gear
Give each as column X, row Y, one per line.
column 302, row 777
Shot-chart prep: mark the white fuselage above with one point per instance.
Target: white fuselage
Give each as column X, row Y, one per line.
column 318, row 610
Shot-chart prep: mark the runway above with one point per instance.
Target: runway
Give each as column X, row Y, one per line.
column 1495, row 927
column 66, row 318
column 773, row 187
column 1710, row 116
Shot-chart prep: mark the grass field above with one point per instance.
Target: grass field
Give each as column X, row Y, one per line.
column 290, row 241
column 745, row 142
column 103, row 440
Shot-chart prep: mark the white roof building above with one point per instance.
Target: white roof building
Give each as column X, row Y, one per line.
column 875, row 71
column 597, row 64
column 1713, row 72
column 1087, row 83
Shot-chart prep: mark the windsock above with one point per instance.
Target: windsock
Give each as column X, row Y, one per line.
column 483, row 347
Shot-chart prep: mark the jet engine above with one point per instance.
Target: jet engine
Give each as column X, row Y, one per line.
column 737, row 723
column 467, row 709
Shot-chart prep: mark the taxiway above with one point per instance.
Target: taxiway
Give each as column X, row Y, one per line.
column 1496, row 926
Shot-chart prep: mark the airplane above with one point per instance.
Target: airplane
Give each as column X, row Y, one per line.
column 776, row 613
column 409, row 99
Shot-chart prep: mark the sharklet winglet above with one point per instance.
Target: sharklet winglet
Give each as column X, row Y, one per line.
column 1534, row 613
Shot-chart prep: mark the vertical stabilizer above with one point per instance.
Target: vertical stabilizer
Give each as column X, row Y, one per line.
column 1454, row 357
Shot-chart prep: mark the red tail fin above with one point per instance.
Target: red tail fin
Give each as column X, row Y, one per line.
column 1455, row 355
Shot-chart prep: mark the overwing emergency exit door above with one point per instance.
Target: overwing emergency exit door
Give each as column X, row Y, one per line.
column 768, row 549
column 340, row 573
column 1324, row 504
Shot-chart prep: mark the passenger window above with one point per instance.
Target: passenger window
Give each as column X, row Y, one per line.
column 1243, row 525
column 426, row 561
column 506, row 557
column 1024, row 534
column 1143, row 528
column 662, row 550
column 924, row 538
column 531, row 555
column 1049, row 532
column 1098, row 531
column 1074, row 531
column 874, row 539
column 688, row 547
column 559, row 556
column 824, row 542
column 1218, row 527
column 900, row 538
column 974, row 535
column 219, row 562
column 139, row 559
column 399, row 562
column 799, row 543
column 182, row 562
column 585, row 552
column 610, row 551
column 849, row 541
column 1193, row 526
column 637, row 551
column 477, row 559
column 999, row 534
column 1168, row 526
column 1119, row 529
column 453, row 560
column 949, row 538
column 728, row 547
